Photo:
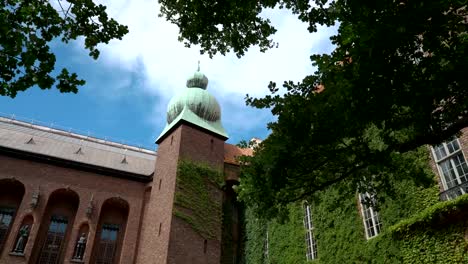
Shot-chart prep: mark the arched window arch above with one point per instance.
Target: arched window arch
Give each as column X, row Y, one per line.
column 110, row 231
column 55, row 229
column 11, row 195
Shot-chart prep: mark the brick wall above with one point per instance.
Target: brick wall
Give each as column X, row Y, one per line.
column 156, row 224
column 187, row 246
column 165, row 238
column 86, row 184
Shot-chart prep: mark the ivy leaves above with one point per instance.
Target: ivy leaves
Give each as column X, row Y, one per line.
column 26, row 34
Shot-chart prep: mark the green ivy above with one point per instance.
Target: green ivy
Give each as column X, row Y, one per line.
column 287, row 240
column 434, row 235
column 255, row 230
column 431, row 215
column 417, row 228
column 194, row 199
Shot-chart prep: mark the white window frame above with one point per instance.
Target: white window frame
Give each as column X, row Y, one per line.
column 311, row 242
column 450, row 156
column 376, row 224
column 266, row 250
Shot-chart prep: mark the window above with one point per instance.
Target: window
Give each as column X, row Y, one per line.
column 107, row 244
column 266, row 252
column 452, row 167
column 370, row 217
column 53, row 244
column 6, row 217
column 311, row 243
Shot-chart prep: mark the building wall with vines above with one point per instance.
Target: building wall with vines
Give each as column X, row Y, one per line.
column 416, row 228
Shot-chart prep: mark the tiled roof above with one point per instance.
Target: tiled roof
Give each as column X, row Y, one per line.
column 233, row 151
column 74, row 147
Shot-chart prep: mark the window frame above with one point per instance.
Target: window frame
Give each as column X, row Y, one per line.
column 311, row 242
column 449, row 157
column 105, row 239
column 266, row 249
column 375, row 217
column 6, row 211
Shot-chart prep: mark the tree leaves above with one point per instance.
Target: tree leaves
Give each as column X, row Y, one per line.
column 29, row 27
column 395, row 82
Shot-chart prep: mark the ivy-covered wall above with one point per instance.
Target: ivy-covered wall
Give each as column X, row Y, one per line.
column 417, row 228
column 340, row 230
column 196, row 197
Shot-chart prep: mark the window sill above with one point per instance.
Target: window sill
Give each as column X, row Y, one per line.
column 77, row 261
column 17, row 254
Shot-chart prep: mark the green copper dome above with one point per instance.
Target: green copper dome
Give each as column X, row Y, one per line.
column 198, row 80
column 199, row 101
column 195, row 105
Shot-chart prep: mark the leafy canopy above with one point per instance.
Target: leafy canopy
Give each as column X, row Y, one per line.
column 395, row 82
column 29, row 27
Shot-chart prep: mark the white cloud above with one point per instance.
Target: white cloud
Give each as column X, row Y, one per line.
column 152, row 47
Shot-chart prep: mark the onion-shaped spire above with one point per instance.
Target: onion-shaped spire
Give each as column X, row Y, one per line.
column 198, row 80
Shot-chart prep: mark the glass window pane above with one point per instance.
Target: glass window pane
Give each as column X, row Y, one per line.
column 5, row 219
column 372, row 223
column 104, row 233
column 53, row 226
column 448, row 173
column 113, row 235
column 440, row 152
column 453, row 146
column 311, row 244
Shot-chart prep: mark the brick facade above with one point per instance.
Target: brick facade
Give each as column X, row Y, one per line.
column 176, row 242
column 68, row 186
column 50, row 178
column 149, row 233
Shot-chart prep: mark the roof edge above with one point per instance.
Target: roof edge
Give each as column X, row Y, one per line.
column 185, row 122
column 15, row 153
column 189, row 117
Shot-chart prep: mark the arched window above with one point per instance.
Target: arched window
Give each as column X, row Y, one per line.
column 56, row 226
column 111, row 230
column 11, row 195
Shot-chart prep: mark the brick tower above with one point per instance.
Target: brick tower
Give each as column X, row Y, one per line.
column 193, row 133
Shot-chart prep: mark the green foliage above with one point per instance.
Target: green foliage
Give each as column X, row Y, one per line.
column 255, row 235
column 340, row 231
column 431, row 215
column 287, row 239
column 194, row 199
column 434, row 235
column 210, row 24
column 415, row 229
column 393, row 83
column 444, row 244
column 28, row 28
column 271, row 179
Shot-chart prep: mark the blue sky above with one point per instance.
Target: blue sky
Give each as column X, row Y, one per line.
column 127, row 89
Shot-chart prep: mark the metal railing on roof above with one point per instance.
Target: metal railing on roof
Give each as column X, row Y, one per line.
column 86, row 135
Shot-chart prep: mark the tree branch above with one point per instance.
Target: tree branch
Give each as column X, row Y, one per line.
column 433, row 138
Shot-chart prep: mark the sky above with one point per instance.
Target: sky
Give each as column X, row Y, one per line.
column 128, row 88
